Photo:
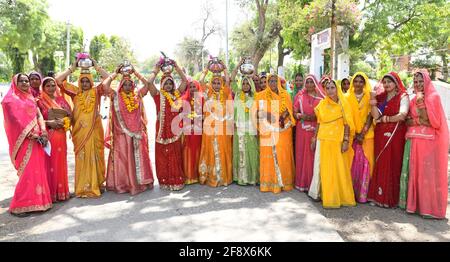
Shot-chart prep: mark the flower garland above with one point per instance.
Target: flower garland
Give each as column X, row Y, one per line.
column 89, row 106
column 193, row 114
column 66, row 123
column 283, row 107
column 129, row 101
column 221, row 96
column 174, row 104
column 243, row 98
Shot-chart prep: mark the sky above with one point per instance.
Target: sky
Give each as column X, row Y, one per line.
column 150, row 26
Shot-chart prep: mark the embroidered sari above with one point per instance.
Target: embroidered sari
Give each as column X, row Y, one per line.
column 384, row 188
column 363, row 155
column 192, row 139
column 88, row 138
column 216, row 154
column 277, row 168
column 428, row 164
column 245, row 139
column 304, row 158
column 335, row 177
column 57, row 171
column 168, row 148
column 129, row 168
column 22, row 117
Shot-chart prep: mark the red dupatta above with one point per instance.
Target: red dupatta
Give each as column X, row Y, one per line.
column 20, row 113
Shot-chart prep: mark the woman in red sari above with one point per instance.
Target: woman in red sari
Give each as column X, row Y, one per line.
column 25, row 130
column 390, row 109
column 193, row 130
column 129, row 168
column 428, row 164
column 304, row 103
column 50, row 99
column 168, row 148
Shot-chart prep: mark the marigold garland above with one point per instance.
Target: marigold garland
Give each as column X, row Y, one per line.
column 283, row 107
column 66, row 123
column 243, row 98
column 174, row 104
column 193, row 114
column 89, row 106
column 129, row 101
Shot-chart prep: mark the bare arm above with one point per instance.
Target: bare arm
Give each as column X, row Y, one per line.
column 226, row 75
column 235, row 71
column 102, row 72
column 183, row 84
column 61, row 77
column 106, row 84
column 375, row 112
column 151, row 81
column 144, row 90
column 203, row 76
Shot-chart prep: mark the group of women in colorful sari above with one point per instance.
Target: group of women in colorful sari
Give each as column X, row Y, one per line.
column 349, row 147
column 357, row 151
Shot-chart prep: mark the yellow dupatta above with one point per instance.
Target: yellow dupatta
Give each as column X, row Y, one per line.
column 360, row 109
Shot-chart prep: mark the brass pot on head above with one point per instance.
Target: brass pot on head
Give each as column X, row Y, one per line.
column 216, row 67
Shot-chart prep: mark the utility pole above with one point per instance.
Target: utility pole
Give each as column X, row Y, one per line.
column 226, row 29
column 68, row 45
column 333, row 39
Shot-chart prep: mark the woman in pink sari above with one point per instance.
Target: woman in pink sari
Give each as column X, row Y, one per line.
column 428, row 164
column 51, row 99
column 25, row 130
column 129, row 168
column 304, row 103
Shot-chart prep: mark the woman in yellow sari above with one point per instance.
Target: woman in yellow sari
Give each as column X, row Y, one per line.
column 362, row 144
column 216, row 155
column 335, row 125
column 273, row 109
column 87, row 131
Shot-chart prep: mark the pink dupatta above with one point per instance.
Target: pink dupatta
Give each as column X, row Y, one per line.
column 20, row 112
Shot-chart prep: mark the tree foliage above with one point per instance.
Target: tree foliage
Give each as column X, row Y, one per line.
column 21, row 28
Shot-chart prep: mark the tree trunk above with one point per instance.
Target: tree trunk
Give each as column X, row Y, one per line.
column 444, row 66
column 281, row 54
column 17, row 59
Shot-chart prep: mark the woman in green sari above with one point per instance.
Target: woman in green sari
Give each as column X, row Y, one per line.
column 245, row 140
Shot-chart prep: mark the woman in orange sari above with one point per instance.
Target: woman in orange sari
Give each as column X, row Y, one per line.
column 25, row 130
column 51, row 99
column 216, row 155
column 129, row 168
column 273, row 108
column 193, row 129
column 87, row 131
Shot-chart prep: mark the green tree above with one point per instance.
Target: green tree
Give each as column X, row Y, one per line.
column 119, row 51
column 21, row 28
column 303, row 18
column 189, row 54
column 97, row 44
column 54, row 39
column 253, row 38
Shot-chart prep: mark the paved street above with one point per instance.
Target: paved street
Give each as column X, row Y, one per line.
column 200, row 213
